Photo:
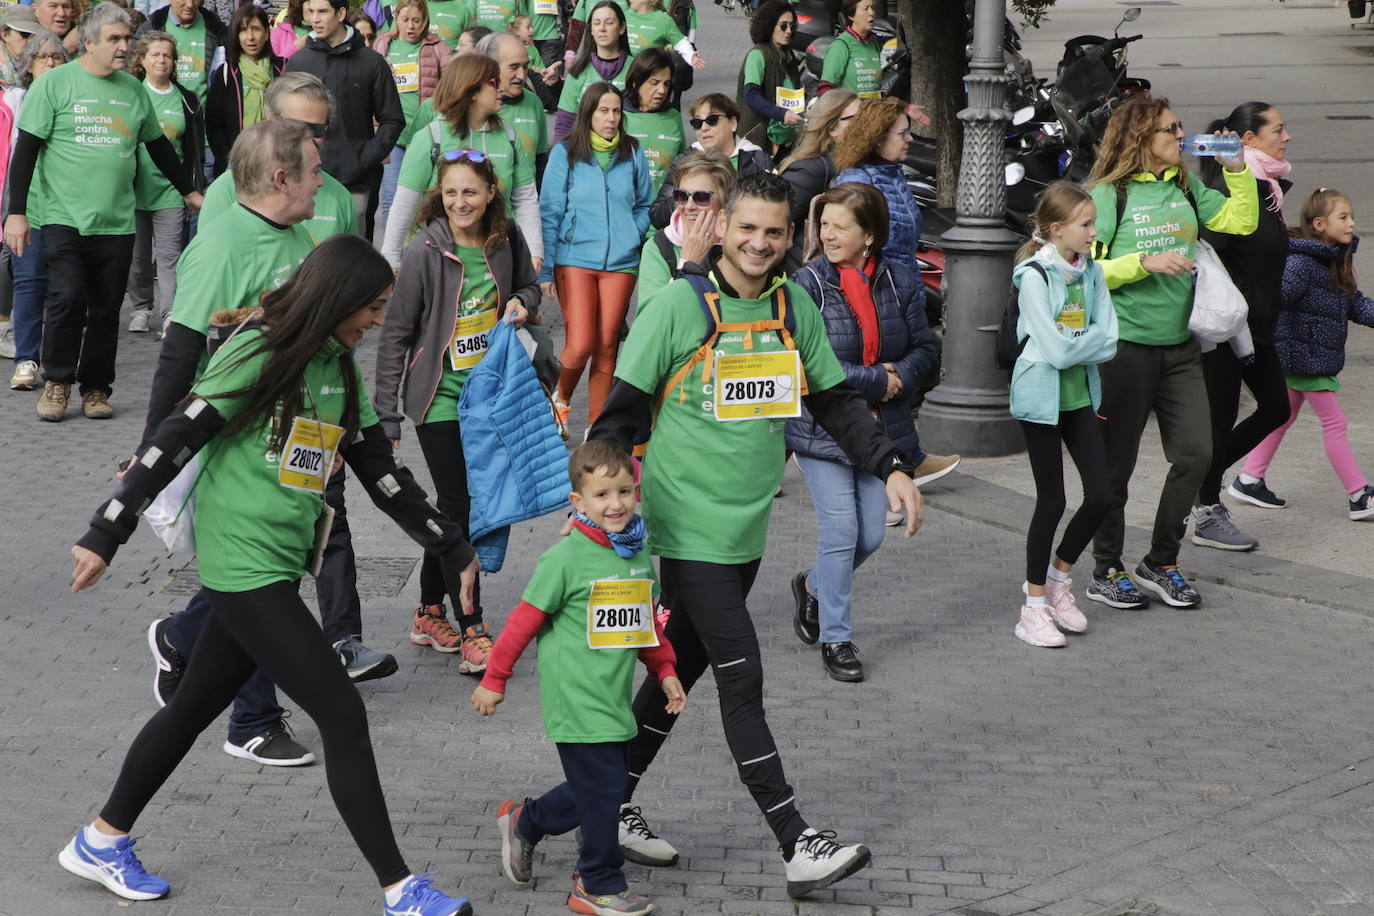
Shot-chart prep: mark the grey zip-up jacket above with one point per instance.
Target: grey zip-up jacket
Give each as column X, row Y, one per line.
column 422, row 312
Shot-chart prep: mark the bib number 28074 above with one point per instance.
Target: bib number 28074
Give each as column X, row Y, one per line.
column 620, row 614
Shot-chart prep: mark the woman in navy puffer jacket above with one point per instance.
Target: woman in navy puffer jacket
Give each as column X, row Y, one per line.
column 871, row 152
column 875, row 319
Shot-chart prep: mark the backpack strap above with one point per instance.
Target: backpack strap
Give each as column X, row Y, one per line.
column 708, row 297
column 435, row 148
column 665, row 248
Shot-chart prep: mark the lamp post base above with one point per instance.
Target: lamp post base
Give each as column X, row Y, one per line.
column 969, row 421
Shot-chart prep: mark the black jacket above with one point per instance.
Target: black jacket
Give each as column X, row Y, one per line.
column 224, row 108
column 215, row 32
column 1255, row 261
column 364, row 89
column 808, row 177
column 193, row 140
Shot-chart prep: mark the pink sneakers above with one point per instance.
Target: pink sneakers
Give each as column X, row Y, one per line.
column 476, row 649
column 1063, row 606
column 1037, row 627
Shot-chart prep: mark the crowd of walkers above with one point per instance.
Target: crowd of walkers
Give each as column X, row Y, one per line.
column 268, row 189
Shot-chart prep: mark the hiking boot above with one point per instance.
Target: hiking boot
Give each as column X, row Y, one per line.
column 431, row 628
column 116, row 867
column 933, row 468
column 640, row 844
column 624, row 903
column 1168, row 583
column 1364, row 506
column 139, row 321
column 25, row 375
column 1212, row 527
column 806, row 622
column 1117, row 589
column 1063, row 607
column 1037, row 628
column 841, row 660
column 273, row 747
column 818, row 861
column 95, row 405
column 362, row 663
column 171, row 664
column 1256, row 494
column 475, row 649
column 517, row 854
column 52, row 403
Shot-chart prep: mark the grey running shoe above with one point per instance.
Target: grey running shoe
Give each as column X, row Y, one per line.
column 1212, row 527
column 362, row 663
column 1168, row 583
column 517, row 853
column 641, row 845
column 1117, row 589
column 1256, row 494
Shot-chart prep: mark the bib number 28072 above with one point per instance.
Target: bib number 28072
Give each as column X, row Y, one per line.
column 308, row 455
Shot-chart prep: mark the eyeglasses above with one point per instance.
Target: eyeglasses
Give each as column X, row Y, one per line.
column 700, row 198
column 710, row 121
column 317, row 130
column 1174, row 128
column 52, row 57
column 494, row 83
column 848, row 117
column 787, row 26
column 471, row 155
column 903, row 132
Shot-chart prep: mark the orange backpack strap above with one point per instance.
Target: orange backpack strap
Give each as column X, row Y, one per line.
column 706, row 352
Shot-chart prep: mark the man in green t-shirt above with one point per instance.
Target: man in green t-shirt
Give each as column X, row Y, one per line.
column 77, row 144
column 710, row 471
column 520, row 107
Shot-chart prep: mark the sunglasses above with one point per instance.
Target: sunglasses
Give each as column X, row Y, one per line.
column 700, row 198
column 710, row 121
column 1174, row 128
column 787, row 26
column 317, row 130
column 471, row 155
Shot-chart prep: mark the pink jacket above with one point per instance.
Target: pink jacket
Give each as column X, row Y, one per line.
column 434, row 57
column 284, row 39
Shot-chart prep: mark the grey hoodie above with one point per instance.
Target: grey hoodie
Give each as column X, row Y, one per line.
column 421, row 315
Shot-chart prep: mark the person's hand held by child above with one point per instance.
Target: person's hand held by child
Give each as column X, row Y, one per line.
column 485, row 701
column 677, row 697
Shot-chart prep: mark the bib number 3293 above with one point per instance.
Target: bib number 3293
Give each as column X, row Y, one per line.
column 620, row 614
column 470, row 336
column 309, row 455
column 753, row 386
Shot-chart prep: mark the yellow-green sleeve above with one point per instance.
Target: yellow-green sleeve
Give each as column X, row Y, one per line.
column 1240, row 214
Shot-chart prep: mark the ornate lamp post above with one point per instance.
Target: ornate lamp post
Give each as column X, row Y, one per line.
column 968, row 412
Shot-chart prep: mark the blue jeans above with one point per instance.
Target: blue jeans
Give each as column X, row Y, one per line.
column 30, row 288
column 851, row 511
column 391, row 174
column 596, row 777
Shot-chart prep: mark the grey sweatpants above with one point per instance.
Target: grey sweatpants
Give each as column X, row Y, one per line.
column 157, row 247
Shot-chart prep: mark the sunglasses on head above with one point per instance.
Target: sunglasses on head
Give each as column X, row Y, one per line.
column 710, row 120
column 471, row 155
column 700, row 198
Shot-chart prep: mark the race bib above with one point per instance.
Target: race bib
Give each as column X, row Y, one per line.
column 407, row 76
column 620, row 614
column 1072, row 319
column 752, row 386
column 791, row 99
column 546, row 7
column 309, row 455
column 470, row 335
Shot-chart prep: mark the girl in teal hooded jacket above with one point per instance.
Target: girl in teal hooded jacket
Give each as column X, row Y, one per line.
column 1067, row 325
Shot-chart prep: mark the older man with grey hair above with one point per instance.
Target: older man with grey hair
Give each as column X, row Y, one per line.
column 79, row 132
column 521, row 107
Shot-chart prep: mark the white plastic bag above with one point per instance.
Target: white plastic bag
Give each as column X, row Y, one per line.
column 171, row 511
column 1219, row 310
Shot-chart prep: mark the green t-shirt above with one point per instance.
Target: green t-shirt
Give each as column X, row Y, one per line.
column 514, row 169
column 660, row 136
column 654, row 273
column 92, row 127
column 251, row 530
column 754, row 73
column 152, row 190
column 193, row 64
column 526, row 117
column 544, row 19
column 1072, row 321
column 497, row 14
column 654, row 29
column 448, row 18
column 853, row 64
column 584, row 693
column 478, row 296
column 708, row 485
column 1313, row 383
column 334, row 210
column 575, row 86
column 404, row 57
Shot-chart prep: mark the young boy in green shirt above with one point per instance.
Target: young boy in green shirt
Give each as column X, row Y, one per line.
column 593, row 596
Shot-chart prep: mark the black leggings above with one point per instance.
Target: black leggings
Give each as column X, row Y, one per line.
column 1223, row 373
column 442, row 445
column 710, row 624
column 268, row 628
column 1081, row 431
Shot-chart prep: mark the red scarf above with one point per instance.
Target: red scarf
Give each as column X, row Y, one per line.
column 857, row 290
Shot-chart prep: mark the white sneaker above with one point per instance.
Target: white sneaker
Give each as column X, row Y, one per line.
column 1037, row 628
column 25, row 376
column 138, row 324
column 1063, row 606
column 6, row 339
column 818, row 861
column 640, row 844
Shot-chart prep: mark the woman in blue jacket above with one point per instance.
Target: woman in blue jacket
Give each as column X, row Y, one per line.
column 1067, row 326
column 595, row 208
column 871, row 152
column 875, row 319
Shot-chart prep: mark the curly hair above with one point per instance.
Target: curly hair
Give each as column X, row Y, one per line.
column 1125, row 147
column 495, row 223
column 867, row 131
column 766, row 20
column 462, row 79
column 145, row 42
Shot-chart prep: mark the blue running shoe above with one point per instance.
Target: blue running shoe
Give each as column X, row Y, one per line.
column 420, row 897
column 118, row 868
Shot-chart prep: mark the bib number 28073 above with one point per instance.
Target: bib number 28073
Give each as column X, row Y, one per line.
column 754, row 386
column 620, row 614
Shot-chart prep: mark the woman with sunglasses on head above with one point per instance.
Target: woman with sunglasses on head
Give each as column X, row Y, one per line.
column 810, row 169
column 649, row 117
column 771, row 100
column 603, row 54
column 467, row 106
column 466, row 269
column 595, row 204
column 287, row 388
column 715, row 118
column 701, row 183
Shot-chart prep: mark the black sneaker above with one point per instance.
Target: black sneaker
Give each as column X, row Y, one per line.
column 1168, row 583
column 1256, row 494
column 842, row 662
column 1364, row 506
column 170, row 663
column 273, row 747
column 807, row 619
column 1117, row 589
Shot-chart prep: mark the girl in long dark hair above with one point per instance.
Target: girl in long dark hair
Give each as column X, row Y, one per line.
column 772, row 103
column 602, row 54
column 275, row 406
column 237, row 94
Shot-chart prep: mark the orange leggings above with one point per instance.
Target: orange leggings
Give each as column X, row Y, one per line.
column 594, row 304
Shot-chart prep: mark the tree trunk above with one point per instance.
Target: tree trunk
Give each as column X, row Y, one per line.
column 937, row 31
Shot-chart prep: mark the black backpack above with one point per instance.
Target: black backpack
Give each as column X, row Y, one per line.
column 1009, row 345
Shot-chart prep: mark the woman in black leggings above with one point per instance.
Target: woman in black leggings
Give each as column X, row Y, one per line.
column 286, row 389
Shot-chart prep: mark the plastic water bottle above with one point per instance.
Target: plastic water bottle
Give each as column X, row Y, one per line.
column 1212, row 145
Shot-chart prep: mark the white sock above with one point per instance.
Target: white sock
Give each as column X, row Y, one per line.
column 1248, row 479
column 101, row 840
column 1356, row 494
column 393, row 896
column 1032, row 601
column 1056, row 575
